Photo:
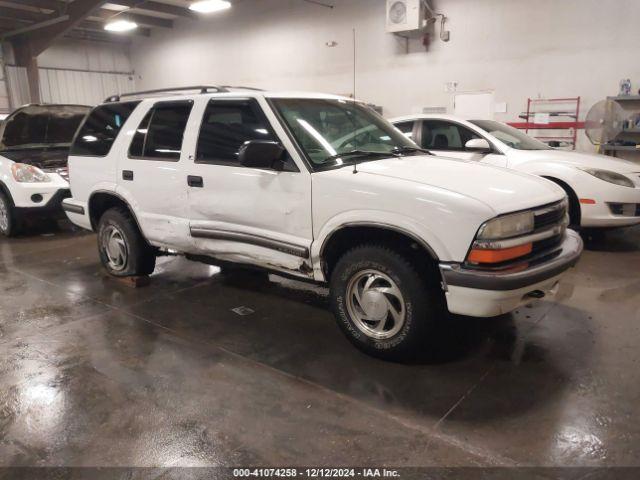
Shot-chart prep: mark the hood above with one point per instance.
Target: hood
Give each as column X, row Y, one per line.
column 44, row 158
column 501, row 189
column 588, row 160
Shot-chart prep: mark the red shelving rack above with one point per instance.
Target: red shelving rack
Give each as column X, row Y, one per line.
column 564, row 114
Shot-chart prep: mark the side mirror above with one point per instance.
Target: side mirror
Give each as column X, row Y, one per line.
column 261, row 154
column 478, row 145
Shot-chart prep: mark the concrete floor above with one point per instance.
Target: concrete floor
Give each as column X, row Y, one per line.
column 94, row 373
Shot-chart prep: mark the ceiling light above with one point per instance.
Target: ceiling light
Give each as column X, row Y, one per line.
column 120, row 25
column 209, row 6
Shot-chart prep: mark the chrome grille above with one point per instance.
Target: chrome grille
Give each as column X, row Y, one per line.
column 546, row 218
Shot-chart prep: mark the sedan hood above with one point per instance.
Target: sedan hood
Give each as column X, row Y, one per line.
column 587, row 160
column 502, row 190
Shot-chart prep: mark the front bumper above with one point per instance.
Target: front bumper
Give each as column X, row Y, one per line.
column 51, row 205
column 600, row 213
column 490, row 293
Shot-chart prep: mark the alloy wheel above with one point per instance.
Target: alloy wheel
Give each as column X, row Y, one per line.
column 375, row 304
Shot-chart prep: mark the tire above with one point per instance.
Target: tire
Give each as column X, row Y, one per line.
column 123, row 250
column 575, row 211
column 409, row 306
column 9, row 221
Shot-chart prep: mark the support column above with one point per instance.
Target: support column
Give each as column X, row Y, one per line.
column 33, row 77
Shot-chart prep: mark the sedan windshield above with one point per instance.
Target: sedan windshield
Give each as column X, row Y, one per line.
column 340, row 132
column 510, row 136
column 42, row 125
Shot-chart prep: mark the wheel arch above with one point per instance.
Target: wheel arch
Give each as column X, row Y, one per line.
column 4, row 189
column 343, row 238
column 574, row 201
column 102, row 200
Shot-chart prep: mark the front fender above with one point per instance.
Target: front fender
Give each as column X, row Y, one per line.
column 377, row 218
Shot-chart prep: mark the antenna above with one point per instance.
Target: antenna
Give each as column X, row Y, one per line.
column 355, row 130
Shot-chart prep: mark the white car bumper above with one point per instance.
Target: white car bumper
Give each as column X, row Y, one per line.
column 39, row 197
column 488, row 294
column 615, row 206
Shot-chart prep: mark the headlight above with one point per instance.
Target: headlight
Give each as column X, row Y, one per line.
column 611, row 177
column 507, row 226
column 28, row 174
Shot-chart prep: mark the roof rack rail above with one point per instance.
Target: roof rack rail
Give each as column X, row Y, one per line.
column 202, row 88
column 239, row 87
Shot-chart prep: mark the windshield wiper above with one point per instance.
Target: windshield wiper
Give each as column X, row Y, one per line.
column 357, row 154
column 403, row 150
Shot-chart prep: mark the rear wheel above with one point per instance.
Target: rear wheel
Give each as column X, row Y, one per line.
column 382, row 303
column 9, row 223
column 123, row 250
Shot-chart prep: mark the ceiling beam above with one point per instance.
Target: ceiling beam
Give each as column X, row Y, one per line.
column 11, row 24
column 38, row 41
column 98, row 37
column 144, row 20
column 35, row 26
column 22, row 14
column 53, row 5
column 152, row 6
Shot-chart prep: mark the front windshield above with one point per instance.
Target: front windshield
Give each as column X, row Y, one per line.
column 512, row 137
column 42, row 125
column 326, row 129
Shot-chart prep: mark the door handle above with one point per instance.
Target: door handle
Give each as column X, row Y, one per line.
column 127, row 175
column 195, row 181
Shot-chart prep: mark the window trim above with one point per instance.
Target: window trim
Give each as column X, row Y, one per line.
column 254, row 103
column 136, row 104
column 494, row 149
column 152, row 109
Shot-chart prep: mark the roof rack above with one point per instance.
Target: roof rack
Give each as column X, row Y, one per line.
column 201, row 88
column 238, row 87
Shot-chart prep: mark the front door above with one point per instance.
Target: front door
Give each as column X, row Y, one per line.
column 448, row 139
column 241, row 214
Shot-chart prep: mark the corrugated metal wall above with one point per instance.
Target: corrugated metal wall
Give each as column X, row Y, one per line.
column 68, row 86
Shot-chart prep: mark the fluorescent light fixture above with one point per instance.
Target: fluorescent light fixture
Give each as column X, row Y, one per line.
column 209, row 6
column 120, row 25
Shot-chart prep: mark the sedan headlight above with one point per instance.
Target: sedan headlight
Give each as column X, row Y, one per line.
column 24, row 173
column 609, row 176
column 507, row 226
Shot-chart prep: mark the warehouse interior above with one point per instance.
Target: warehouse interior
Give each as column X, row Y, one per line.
column 203, row 371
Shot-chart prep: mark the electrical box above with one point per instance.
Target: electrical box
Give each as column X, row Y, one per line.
column 405, row 16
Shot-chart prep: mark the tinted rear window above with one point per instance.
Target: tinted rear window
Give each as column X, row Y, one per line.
column 101, row 129
column 160, row 135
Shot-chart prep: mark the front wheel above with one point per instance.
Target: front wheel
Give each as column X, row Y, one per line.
column 123, row 250
column 9, row 224
column 383, row 304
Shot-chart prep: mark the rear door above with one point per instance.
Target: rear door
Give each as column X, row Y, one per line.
column 259, row 216
column 448, row 139
column 151, row 172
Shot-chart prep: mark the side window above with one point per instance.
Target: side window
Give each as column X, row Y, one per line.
column 159, row 136
column 406, row 128
column 440, row 135
column 226, row 126
column 101, row 128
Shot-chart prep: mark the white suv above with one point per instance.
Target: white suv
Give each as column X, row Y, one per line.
column 276, row 181
column 34, row 144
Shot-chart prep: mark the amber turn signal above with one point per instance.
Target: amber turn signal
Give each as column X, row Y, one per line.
column 478, row 255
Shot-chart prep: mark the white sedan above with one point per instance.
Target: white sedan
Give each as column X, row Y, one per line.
column 603, row 191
